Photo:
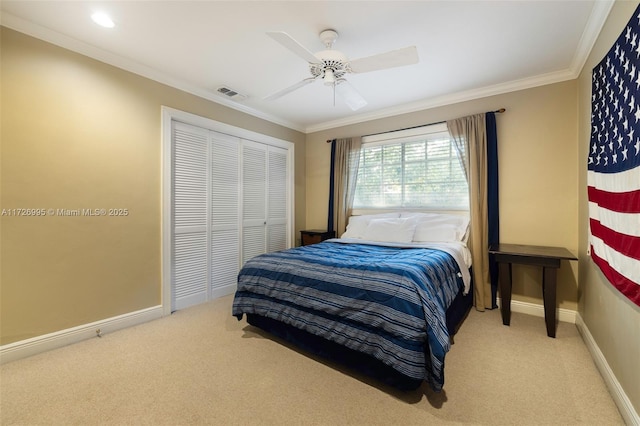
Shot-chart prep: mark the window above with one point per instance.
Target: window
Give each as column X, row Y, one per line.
column 417, row 168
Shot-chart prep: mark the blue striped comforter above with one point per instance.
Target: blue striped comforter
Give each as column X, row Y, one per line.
column 387, row 302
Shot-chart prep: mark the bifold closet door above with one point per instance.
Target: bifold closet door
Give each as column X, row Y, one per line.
column 225, row 213
column 277, row 199
column 265, row 199
column 254, row 199
column 189, row 272
column 229, row 204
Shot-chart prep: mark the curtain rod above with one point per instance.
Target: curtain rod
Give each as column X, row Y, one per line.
column 498, row 111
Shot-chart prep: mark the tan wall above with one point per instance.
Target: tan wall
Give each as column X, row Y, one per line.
column 77, row 133
column 537, row 166
column 612, row 320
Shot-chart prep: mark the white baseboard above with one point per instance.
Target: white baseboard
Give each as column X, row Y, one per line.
column 620, row 398
column 223, row 291
column 564, row 315
column 618, row 395
column 58, row 339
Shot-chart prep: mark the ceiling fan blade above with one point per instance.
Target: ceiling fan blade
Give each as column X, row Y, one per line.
column 392, row 59
column 287, row 41
column 290, row 89
column 349, row 95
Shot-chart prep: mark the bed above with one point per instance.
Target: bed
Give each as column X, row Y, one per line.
column 384, row 299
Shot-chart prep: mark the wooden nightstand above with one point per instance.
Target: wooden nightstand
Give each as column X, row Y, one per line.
column 314, row 236
column 547, row 257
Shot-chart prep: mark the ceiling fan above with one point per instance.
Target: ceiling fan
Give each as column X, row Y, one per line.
column 331, row 66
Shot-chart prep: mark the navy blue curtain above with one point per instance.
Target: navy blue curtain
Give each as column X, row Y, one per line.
column 331, row 187
column 492, row 200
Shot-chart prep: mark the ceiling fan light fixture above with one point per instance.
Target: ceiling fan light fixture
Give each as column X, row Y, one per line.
column 329, row 78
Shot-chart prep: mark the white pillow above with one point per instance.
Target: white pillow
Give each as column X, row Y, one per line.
column 427, row 234
column 440, row 227
column 358, row 224
column 394, row 230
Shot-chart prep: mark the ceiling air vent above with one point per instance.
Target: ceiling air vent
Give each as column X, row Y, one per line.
column 230, row 93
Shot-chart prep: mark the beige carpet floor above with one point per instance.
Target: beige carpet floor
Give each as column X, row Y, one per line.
column 202, row 366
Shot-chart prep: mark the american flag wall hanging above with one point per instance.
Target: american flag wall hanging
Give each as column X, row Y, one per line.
column 613, row 171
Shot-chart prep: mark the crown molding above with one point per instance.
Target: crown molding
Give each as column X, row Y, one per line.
column 70, row 43
column 468, row 95
column 596, row 21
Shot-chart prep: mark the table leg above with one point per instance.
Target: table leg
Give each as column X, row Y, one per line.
column 549, row 296
column 504, row 277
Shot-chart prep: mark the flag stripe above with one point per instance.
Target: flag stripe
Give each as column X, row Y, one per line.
column 622, row 243
column 625, row 181
column 628, row 287
column 627, row 223
column 626, row 266
column 623, row 202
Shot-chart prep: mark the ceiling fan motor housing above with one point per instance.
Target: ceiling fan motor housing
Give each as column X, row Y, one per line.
column 330, row 60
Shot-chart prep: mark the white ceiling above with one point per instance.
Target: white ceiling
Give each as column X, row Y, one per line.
column 467, row 49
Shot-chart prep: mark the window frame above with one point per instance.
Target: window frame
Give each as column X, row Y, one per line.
column 413, row 134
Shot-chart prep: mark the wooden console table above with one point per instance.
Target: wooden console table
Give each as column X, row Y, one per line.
column 547, row 257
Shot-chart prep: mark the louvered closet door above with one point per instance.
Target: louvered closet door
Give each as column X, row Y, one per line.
column 254, row 199
column 225, row 210
column 229, row 203
column 189, row 193
column 277, row 199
